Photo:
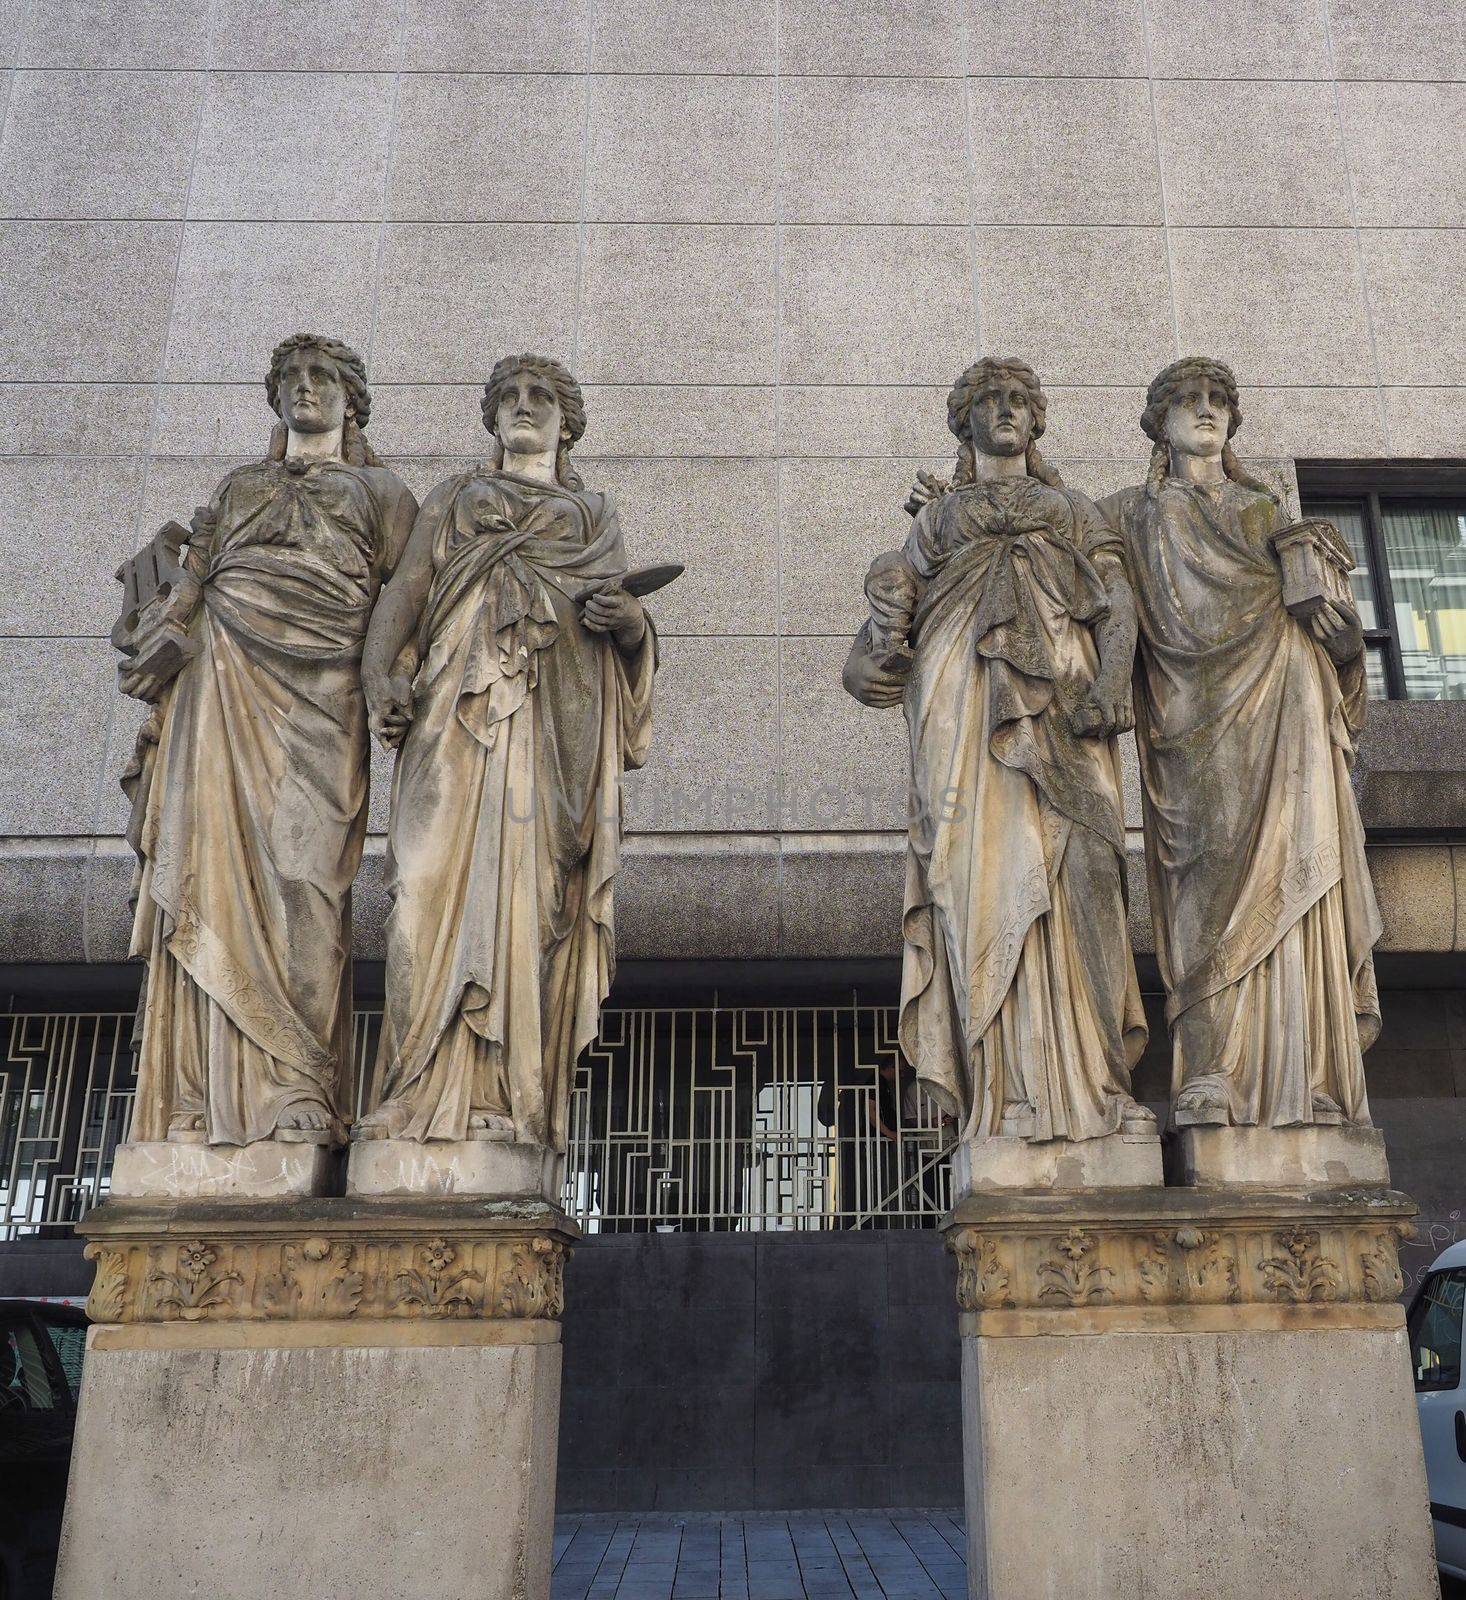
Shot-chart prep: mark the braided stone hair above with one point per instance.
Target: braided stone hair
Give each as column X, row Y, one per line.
column 352, row 371
column 994, row 369
column 567, row 392
column 1158, row 398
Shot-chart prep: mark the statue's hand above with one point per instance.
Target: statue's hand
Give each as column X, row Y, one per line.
column 1338, row 629
column 1103, row 711
column 928, row 487
column 873, row 683
column 611, row 610
column 389, row 708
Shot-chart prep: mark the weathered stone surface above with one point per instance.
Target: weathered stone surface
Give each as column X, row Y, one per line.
column 496, row 1167
column 269, row 1168
column 680, row 149
column 53, row 730
column 1163, row 1445
column 1088, row 38
column 260, row 155
column 1415, row 303
column 448, row 150
column 1316, row 330
column 1281, row 1158
column 98, row 144
column 355, row 1261
column 1036, row 158
column 1116, row 1161
column 645, row 293
column 240, row 285
column 151, row 33
column 333, row 1448
column 1027, row 1259
column 1040, row 289
column 870, row 149
column 1287, row 169
column 87, row 301
column 874, row 305
column 1191, row 39
column 732, row 36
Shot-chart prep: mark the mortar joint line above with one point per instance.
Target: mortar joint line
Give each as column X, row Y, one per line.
column 1366, row 300
column 389, row 166
column 1155, row 134
column 587, row 89
column 780, row 464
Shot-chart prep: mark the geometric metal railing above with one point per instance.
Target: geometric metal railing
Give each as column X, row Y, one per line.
column 703, row 1118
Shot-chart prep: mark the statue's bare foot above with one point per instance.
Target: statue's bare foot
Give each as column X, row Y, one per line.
column 1203, row 1105
column 186, row 1127
column 489, row 1125
column 304, row 1124
column 1327, row 1110
column 1137, row 1119
column 386, row 1122
column 1018, row 1121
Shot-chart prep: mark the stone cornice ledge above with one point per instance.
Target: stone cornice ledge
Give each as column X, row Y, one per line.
column 1179, row 1260
column 327, row 1261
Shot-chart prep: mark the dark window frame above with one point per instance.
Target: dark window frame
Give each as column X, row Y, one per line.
column 1426, row 484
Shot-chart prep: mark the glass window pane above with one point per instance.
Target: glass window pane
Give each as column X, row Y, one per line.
column 1435, row 1332
column 1348, row 517
column 1425, row 547
column 1376, row 684
column 70, row 1342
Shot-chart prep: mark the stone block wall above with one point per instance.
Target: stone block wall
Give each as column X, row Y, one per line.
column 766, row 235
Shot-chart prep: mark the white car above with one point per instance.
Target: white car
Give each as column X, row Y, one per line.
column 1435, row 1353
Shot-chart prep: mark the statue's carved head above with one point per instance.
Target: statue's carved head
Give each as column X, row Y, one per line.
column 998, row 407
column 315, row 384
column 1196, row 384
column 532, row 403
column 1192, row 408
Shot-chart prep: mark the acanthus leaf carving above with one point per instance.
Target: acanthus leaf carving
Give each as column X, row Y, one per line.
column 1300, row 1273
column 107, row 1301
column 316, row 1279
column 1070, row 1277
column 982, row 1276
column 193, row 1289
column 434, row 1288
column 534, row 1285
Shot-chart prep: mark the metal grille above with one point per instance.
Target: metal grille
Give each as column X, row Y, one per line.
column 695, row 1118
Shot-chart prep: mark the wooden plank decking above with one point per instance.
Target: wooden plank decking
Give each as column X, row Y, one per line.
column 809, row 1555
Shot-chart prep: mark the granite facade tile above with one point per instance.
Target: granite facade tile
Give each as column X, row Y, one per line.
column 681, row 149
column 99, row 144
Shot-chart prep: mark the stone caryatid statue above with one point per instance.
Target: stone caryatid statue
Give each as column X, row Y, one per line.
column 513, row 672
column 1250, row 688
column 1006, row 629
column 250, row 781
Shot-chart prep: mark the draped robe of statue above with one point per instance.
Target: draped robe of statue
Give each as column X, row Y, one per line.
column 505, row 828
column 1265, row 917
column 1018, row 981
column 250, row 810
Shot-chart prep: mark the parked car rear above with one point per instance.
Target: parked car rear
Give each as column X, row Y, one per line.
column 41, row 1352
column 1435, row 1324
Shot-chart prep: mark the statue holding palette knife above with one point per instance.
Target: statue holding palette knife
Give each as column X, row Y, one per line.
column 510, row 665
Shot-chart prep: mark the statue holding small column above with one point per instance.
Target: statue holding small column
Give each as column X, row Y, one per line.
column 250, row 781
column 1005, row 628
column 1250, row 698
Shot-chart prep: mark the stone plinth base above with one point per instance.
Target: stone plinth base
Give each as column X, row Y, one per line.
column 318, row 1398
column 1120, row 1161
column 1189, row 1395
column 270, row 1169
column 1322, row 1156
column 403, row 1167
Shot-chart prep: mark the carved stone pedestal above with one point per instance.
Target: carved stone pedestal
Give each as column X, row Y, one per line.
column 324, row 1397
column 1181, row 1393
column 499, row 1167
column 270, row 1169
column 1318, row 1157
column 1118, row 1161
